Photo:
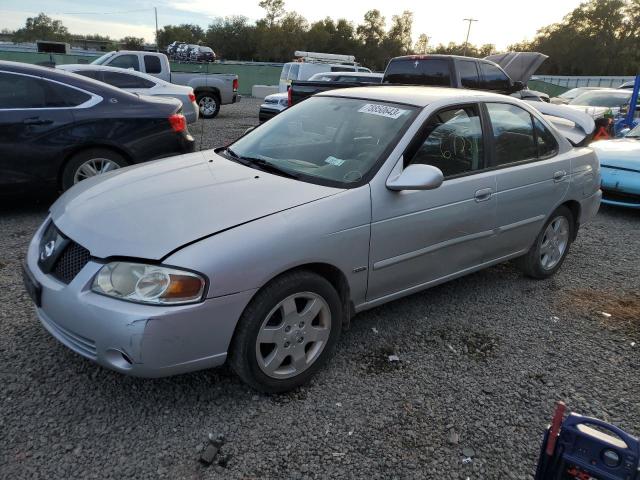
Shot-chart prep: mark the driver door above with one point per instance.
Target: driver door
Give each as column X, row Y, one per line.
column 422, row 237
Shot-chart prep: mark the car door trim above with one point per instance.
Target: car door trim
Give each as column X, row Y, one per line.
column 379, row 265
column 521, row 223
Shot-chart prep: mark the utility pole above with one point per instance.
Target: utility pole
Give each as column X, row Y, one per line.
column 155, row 9
column 466, row 42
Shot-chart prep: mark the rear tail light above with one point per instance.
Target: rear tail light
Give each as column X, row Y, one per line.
column 192, row 97
column 235, row 84
column 289, row 96
column 178, row 122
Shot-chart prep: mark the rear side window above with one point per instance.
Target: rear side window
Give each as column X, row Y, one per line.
column 494, row 78
column 125, row 61
column 545, row 141
column 20, row 91
column 429, row 71
column 152, row 64
column 122, row 80
column 89, row 74
column 452, row 142
column 468, row 74
column 512, row 132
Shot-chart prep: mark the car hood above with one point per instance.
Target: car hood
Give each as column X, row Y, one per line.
column 150, row 210
column 520, row 66
column 619, row 153
column 595, row 112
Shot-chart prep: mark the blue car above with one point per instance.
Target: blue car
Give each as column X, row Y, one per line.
column 620, row 169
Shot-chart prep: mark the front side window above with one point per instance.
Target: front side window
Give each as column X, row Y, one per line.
column 126, row 61
column 152, row 64
column 328, row 140
column 494, row 78
column 468, row 74
column 452, row 142
column 419, row 71
column 512, row 132
column 122, row 80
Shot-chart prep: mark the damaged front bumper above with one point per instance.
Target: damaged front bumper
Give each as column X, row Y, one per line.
column 136, row 339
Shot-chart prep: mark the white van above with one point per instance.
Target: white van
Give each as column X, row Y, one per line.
column 311, row 63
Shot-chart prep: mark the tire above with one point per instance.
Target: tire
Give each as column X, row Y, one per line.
column 209, row 104
column 543, row 260
column 294, row 358
column 80, row 165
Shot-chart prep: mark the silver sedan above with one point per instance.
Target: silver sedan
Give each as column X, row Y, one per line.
column 259, row 254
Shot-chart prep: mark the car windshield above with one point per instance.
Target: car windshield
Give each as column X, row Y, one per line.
column 328, row 140
column 103, row 58
column 601, row 99
column 635, row 132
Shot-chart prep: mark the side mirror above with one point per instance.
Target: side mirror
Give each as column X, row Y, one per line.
column 417, row 177
column 517, row 86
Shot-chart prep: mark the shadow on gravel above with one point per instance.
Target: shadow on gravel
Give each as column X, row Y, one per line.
column 615, row 310
column 35, row 203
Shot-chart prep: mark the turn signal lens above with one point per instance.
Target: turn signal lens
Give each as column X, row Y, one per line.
column 178, row 122
column 152, row 284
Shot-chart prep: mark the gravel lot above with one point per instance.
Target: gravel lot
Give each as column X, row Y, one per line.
column 482, row 360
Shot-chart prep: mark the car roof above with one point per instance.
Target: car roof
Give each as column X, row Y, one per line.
column 418, row 96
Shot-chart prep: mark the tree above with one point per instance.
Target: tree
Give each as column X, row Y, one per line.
column 422, row 45
column 400, row 31
column 41, row 27
column 371, row 34
column 133, row 43
column 274, row 10
column 232, row 38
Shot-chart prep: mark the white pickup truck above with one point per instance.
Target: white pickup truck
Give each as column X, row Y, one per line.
column 211, row 89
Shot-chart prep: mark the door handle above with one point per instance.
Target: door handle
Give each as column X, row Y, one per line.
column 36, row 121
column 483, row 194
column 559, row 176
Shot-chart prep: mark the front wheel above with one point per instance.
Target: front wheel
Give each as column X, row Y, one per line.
column 287, row 332
column 551, row 246
column 209, row 105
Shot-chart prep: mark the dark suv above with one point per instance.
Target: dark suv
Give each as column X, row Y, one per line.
column 450, row 71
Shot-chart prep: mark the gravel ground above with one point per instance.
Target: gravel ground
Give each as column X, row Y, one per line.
column 481, row 361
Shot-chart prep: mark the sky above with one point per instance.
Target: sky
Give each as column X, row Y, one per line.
column 499, row 22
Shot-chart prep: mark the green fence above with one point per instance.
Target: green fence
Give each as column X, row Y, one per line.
column 249, row 74
column 548, row 88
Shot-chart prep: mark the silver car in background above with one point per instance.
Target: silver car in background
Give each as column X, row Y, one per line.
column 141, row 83
column 260, row 253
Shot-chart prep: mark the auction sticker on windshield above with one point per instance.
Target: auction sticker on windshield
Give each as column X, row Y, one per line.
column 382, row 110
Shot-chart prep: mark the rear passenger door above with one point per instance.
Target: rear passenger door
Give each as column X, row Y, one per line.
column 532, row 177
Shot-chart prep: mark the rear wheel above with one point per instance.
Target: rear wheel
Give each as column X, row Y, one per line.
column 209, row 104
column 89, row 163
column 287, row 332
column 551, row 246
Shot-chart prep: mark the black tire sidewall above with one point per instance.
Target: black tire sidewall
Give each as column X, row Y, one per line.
column 79, row 158
column 243, row 353
column 215, row 98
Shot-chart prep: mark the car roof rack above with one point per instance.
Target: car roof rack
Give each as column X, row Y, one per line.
column 315, row 57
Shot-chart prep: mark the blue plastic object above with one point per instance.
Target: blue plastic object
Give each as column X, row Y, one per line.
column 590, row 449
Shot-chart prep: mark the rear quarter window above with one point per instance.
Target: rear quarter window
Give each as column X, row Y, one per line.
column 426, row 71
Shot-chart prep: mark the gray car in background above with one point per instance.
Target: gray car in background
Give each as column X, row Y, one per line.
column 260, row 253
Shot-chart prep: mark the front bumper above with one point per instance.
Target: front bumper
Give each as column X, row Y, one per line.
column 139, row 340
column 620, row 187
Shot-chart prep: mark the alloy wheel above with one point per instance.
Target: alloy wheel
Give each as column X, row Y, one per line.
column 207, row 105
column 93, row 167
column 293, row 335
column 554, row 242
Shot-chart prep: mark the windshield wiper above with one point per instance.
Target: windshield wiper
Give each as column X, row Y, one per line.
column 260, row 163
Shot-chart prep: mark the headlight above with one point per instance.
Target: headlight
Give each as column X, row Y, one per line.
column 154, row 284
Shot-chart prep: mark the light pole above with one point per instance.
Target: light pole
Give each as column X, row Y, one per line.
column 466, row 42
column 155, row 10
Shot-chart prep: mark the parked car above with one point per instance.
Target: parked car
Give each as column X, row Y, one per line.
column 566, row 97
column 346, row 201
column 317, row 63
column 138, row 82
column 604, row 100
column 299, row 90
column 465, row 72
column 630, row 84
column 58, row 128
column 620, row 162
column 172, row 48
column 202, row 54
column 211, row 89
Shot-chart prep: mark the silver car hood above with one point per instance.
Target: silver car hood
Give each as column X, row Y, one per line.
column 149, row 210
column 520, row 66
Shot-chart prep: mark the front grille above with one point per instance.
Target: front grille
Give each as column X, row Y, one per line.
column 616, row 196
column 71, row 261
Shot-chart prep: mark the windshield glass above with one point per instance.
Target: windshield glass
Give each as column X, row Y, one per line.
column 602, row 99
column 103, row 58
column 635, row 132
column 328, row 140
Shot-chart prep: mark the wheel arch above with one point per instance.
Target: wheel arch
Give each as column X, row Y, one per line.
column 211, row 90
column 81, row 148
column 574, row 207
